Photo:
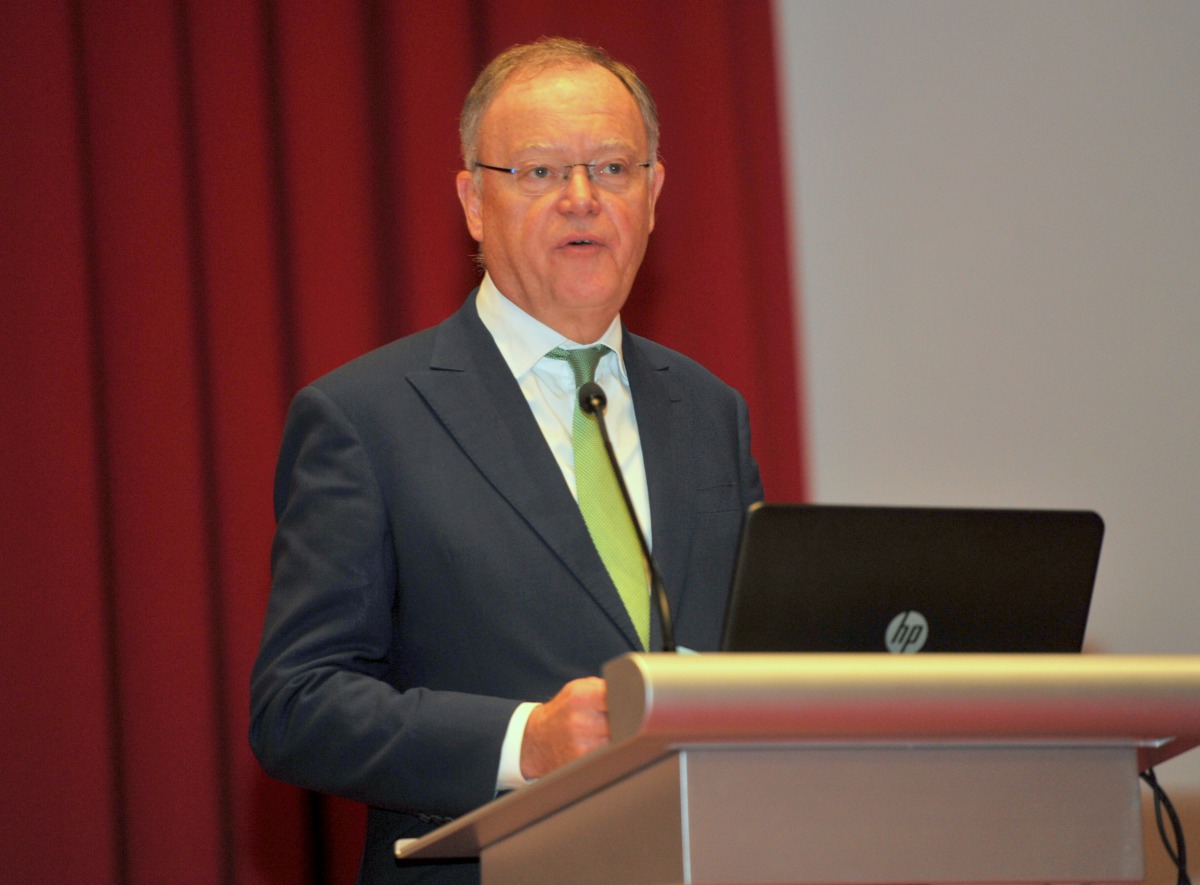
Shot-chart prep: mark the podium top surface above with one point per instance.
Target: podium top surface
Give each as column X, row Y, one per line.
column 1149, row 701
column 660, row 704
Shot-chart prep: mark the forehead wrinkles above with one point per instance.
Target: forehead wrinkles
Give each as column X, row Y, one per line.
column 587, row 148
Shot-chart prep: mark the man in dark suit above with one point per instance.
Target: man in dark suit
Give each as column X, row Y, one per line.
column 439, row 609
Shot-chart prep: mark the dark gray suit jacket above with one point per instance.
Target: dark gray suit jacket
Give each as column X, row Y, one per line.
column 431, row 569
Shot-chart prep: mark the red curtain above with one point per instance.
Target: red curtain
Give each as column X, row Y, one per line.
column 205, row 205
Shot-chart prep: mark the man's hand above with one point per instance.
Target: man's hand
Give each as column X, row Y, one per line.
column 573, row 722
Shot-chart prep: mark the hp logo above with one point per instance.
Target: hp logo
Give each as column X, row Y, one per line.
column 906, row 633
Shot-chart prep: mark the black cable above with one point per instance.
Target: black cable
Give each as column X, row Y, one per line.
column 1178, row 851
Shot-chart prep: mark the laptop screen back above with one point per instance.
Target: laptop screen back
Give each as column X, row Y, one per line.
column 822, row 578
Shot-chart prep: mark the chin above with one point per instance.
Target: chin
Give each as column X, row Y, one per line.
column 599, row 288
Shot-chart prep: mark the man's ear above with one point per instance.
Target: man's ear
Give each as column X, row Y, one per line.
column 656, row 189
column 472, row 203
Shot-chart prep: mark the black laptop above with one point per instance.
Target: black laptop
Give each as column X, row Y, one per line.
column 823, row 578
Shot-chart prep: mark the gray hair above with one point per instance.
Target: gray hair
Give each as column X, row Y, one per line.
column 534, row 58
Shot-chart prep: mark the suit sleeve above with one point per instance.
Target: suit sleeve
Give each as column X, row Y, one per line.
column 326, row 713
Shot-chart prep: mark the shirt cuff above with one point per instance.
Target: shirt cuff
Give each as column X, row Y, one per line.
column 509, row 776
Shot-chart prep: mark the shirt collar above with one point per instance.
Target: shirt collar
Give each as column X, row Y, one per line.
column 524, row 340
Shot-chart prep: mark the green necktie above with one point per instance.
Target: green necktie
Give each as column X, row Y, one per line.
column 608, row 521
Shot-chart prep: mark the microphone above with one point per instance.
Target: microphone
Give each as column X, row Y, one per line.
column 592, row 402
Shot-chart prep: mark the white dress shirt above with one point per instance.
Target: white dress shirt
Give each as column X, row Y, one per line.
column 549, row 387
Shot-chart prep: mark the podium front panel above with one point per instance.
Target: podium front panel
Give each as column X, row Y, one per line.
column 788, row 815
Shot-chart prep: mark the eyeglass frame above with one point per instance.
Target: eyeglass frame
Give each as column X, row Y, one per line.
column 567, row 169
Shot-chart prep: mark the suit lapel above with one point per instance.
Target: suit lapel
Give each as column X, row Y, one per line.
column 660, row 406
column 472, row 391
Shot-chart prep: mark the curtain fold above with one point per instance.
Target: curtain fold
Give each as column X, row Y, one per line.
column 205, row 205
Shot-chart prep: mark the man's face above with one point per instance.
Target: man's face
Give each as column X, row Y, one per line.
column 568, row 257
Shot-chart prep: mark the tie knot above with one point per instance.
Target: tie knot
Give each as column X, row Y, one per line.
column 582, row 361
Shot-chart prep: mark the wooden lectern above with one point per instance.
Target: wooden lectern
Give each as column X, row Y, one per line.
column 766, row 768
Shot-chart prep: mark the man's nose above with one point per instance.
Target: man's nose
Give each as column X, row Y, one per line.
column 580, row 189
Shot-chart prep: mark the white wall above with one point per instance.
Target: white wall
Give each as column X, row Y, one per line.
column 998, row 246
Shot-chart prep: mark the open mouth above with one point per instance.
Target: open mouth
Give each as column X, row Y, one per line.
column 578, row 241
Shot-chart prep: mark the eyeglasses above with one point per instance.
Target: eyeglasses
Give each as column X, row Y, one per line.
column 537, row 179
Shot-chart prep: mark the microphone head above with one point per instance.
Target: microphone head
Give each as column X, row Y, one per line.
column 591, row 398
